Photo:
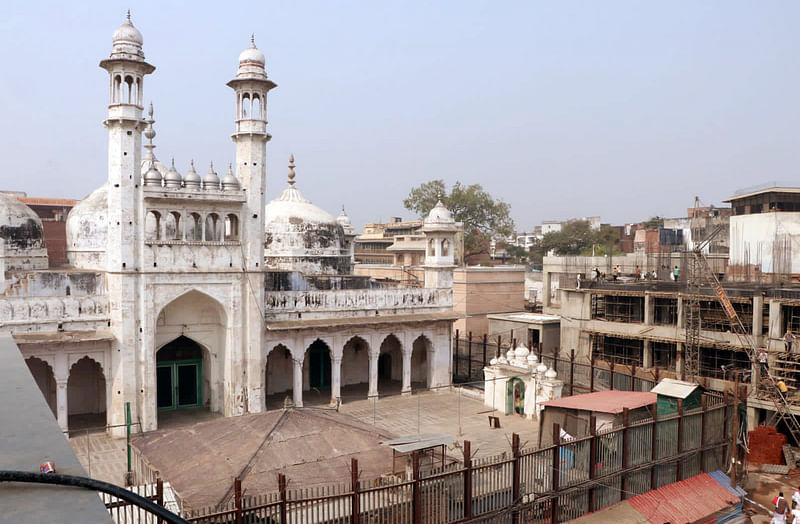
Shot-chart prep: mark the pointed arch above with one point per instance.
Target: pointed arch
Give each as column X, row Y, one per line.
column 390, row 360
column 421, row 350
column 355, row 361
column 86, row 394
column 277, row 375
column 45, row 378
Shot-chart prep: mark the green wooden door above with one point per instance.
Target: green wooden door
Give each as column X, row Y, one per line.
column 179, row 384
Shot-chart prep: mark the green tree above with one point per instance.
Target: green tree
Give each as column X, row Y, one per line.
column 575, row 236
column 653, row 223
column 481, row 214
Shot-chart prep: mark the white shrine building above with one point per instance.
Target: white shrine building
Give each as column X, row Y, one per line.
column 190, row 291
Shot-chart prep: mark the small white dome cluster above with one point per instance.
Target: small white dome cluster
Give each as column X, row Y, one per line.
column 522, row 357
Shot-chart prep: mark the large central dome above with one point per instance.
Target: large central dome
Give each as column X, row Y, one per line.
column 299, row 236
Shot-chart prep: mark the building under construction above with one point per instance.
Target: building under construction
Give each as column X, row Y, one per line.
column 644, row 322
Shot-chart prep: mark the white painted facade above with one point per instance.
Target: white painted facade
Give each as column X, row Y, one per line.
column 158, row 257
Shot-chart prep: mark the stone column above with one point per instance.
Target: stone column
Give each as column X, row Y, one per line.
column 336, row 380
column 775, row 325
column 373, row 375
column 297, row 386
column 546, row 289
column 62, row 409
column 758, row 319
column 681, row 304
column 647, row 358
column 679, row 359
column 407, row 372
column 649, row 309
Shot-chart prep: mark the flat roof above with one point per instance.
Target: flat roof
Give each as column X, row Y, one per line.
column 612, row 401
column 360, row 321
column 529, row 318
column 777, row 189
column 411, row 443
column 669, row 387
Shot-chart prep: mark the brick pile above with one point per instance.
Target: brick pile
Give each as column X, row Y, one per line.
column 766, row 445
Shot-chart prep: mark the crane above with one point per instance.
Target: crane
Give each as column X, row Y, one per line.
column 700, row 273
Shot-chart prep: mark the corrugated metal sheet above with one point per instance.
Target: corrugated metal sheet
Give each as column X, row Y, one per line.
column 612, row 401
column 725, row 481
column 690, row 500
column 670, row 387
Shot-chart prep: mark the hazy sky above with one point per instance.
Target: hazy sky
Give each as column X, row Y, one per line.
column 618, row 109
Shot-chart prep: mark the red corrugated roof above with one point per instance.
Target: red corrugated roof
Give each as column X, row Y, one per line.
column 612, row 401
column 690, row 500
column 38, row 201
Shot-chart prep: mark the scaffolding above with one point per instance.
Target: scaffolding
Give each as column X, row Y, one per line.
column 665, row 354
column 618, row 308
column 713, row 316
column 617, row 349
column 665, row 311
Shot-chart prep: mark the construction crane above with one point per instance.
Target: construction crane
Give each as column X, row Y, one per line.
column 700, row 273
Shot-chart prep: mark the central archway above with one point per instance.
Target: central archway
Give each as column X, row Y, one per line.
column 86, row 395
column 317, row 373
column 390, row 366
column 180, row 379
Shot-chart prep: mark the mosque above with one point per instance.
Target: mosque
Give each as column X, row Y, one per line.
column 191, row 292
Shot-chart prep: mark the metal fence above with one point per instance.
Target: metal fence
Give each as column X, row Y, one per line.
column 554, row 483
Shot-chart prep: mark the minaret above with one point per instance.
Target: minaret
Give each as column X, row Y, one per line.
column 251, row 86
column 126, row 69
column 440, row 230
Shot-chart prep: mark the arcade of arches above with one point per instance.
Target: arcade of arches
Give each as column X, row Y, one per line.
column 325, row 368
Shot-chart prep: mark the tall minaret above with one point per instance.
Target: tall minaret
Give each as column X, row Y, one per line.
column 251, row 86
column 126, row 68
column 250, row 136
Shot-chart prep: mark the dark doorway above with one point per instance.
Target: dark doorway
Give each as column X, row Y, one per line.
column 533, row 339
column 385, row 367
column 319, row 365
column 179, row 375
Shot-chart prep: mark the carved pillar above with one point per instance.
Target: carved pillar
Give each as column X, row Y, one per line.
column 406, row 372
column 336, row 379
column 373, row 374
column 297, row 386
column 62, row 409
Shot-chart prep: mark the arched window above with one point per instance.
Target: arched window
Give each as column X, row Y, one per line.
column 117, row 88
column 213, row 227
column 245, row 106
column 256, row 107
column 431, row 247
column 152, row 226
column 172, row 226
column 445, row 248
column 194, row 229
column 138, row 97
column 128, row 90
column 231, row 227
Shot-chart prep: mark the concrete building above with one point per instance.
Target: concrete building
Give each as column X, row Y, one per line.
column 398, row 243
column 189, row 291
column 532, row 329
column 481, row 291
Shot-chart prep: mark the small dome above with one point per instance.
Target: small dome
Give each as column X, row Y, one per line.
column 172, row 178
column 541, row 368
column 550, row 373
column 521, row 351
column 229, row 181
column 252, row 62
column 192, row 179
column 439, row 214
column 502, row 360
column 493, row 362
column 344, row 221
column 510, row 354
column 20, row 227
column 211, row 180
column 153, row 177
column 127, row 41
column 532, row 359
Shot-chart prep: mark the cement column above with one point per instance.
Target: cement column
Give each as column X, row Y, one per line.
column 680, row 312
column 679, row 359
column 546, row 289
column 62, row 409
column 297, row 386
column 647, row 357
column 373, row 375
column 407, row 373
column 758, row 319
column 775, row 325
column 649, row 309
column 336, row 380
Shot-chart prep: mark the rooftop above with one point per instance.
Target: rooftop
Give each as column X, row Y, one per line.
column 531, row 318
column 750, row 192
column 612, row 401
column 674, row 388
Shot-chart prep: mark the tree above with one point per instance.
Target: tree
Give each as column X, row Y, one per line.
column 575, row 236
column 482, row 215
column 654, row 223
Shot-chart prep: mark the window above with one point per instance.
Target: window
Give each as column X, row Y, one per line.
column 231, row 227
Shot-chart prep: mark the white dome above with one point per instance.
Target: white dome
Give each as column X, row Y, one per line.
column 493, row 362
column 541, row 368
column 550, row 373
column 87, row 230
column 521, row 351
column 510, row 354
column 127, row 33
column 532, row 359
column 439, row 214
column 301, row 236
column 252, row 62
column 344, row 221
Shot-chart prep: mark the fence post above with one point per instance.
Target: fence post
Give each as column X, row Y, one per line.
column 611, row 374
column 416, row 502
column 160, row 494
column 467, row 480
column 485, row 336
column 633, row 377
column 625, row 422
column 469, row 357
column 555, row 360
column 499, row 340
column 704, row 406
column 592, row 458
column 237, row 499
column 679, row 469
column 591, row 374
column 515, row 496
column 571, row 371
column 282, row 489
column 129, row 475
column 556, row 471
column 455, row 356
column 354, row 486
column 653, row 451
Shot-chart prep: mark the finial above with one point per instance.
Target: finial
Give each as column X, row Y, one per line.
column 211, row 167
column 252, row 40
column 191, row 164
column 230, row 167
column 343, row 210
column 173, row 162
column 150, row 109
column 291, row 169
column 129, row 16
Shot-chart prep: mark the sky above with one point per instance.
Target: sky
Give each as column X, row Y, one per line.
column 623, row 109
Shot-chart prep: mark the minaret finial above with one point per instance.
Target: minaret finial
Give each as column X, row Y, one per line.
column 173, row 162
column 211, row 167
column 230, row 167
column 129, row 16
column 150, row 134
column 252, row 40
column 291, row 169
column 191, row 163
column 150, row 110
